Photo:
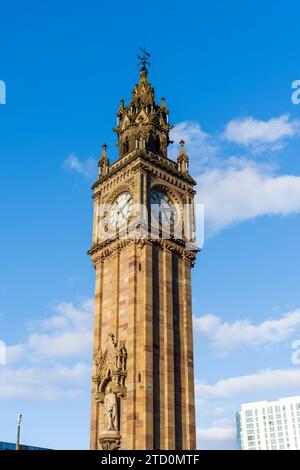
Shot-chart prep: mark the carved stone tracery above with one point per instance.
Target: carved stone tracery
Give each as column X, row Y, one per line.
column 110, row 371
column 111, row 367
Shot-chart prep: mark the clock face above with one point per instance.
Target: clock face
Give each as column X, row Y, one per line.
column 121, row 210
column 163, row 208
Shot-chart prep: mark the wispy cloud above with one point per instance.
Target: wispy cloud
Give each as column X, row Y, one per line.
column 226, row 337
column 53, row 362
column 201, row 146
column 261, row 382
column 44, row 383
column 237, row 188
column 87, row 168
column 262, row 135
column 240, row 191
column 220, row 435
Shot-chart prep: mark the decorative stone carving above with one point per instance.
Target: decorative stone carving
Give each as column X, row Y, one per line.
column 110, row 441
column 110, row 409
column 110, row 368
column 110, row 371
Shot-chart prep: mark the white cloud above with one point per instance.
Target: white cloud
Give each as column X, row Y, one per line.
column 87, row 168
column 260, row 382
column 241, row 191
column 54, row 360
column 199, row 144
column 236, row 189
column 66, row 334
column 219, row 436
column 251, row 131
column 38, row 383
column 226, row 337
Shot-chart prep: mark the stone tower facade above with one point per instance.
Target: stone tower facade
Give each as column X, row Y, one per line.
column 143, row 250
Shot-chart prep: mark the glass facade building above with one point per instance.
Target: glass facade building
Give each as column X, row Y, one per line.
column 269, row 425
column 12, row 446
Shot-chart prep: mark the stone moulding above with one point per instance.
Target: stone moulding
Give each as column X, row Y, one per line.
column 100, row 252
column 110, row 440
column 110, row 367
column 163, row 163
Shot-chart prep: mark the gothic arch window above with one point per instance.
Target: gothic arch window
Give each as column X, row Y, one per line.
column 151, row 143
column 125, row 147
column 157, row 144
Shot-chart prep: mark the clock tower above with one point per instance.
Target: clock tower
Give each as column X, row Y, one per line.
column 143, row 250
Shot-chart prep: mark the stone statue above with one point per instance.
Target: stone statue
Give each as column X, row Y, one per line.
column 110, row 409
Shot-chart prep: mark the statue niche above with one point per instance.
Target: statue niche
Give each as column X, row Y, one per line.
column 125, row 146
column 110, row 371
column 111, row 409
column 153, row 143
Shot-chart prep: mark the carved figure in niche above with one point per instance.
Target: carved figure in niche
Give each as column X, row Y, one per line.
column 110, row 409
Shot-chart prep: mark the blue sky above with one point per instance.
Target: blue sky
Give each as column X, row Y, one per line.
column 226, row 71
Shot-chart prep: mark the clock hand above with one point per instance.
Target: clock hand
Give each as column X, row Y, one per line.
column 122, row 207
column 121, row 211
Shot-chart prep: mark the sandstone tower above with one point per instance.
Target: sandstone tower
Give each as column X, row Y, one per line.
column 143, row 377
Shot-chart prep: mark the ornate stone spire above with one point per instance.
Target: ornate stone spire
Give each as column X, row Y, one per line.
column 103, row 163
column 182, row 159
column 143, row 125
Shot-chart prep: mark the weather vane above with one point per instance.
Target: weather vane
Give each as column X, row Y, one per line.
column 144, row 59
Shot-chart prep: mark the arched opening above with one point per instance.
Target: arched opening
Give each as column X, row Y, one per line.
column 125, row 146
column 157, row 144
column 139, row 142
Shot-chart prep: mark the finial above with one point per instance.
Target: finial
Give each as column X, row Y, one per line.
column 103, row 154
column 103, row 163
column 121, row 107
column 143, row 59
column 182, row 159
column 163, row 102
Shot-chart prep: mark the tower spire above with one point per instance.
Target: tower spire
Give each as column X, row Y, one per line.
column 143, row 125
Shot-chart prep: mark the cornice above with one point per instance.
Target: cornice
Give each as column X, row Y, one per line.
column 161, row 162
column 110, row 247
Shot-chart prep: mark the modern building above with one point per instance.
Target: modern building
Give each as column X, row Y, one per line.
column 143, row 251
column 269, row 425
column 12, row 446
